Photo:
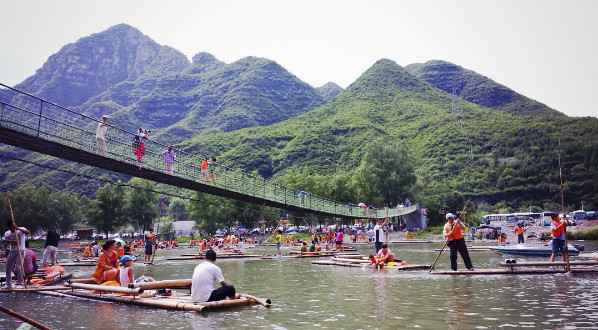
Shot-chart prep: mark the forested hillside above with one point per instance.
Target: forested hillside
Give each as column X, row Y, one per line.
column 473, row 153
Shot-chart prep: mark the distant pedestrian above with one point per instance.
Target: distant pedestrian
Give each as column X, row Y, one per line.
column 169, row 159
column 339, row 239
column 101, row 136
column 139, row 145
column 453, row 233
column 302, row 193
column 49, row 255
column 212, row 169
column 204, row 166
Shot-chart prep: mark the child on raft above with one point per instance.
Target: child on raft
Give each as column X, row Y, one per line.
column 125, row 275
column 383, row 257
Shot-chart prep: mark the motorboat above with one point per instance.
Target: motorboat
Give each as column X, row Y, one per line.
column 533, row 250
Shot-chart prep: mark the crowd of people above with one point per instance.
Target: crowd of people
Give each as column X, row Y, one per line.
column 116, row 257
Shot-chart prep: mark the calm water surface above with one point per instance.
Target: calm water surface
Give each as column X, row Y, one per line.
column 307, row 296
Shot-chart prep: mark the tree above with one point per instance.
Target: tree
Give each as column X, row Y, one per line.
column 178, row 210
column 385, row 175
column 141, row 205
column 107, row 212
column 246, row 214
column 210, row 212
column 38, row 208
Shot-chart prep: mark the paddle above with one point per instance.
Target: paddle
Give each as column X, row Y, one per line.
column 438, row 256
column 24, row 318
column 566, row 250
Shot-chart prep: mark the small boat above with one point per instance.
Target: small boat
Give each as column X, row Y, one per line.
column 532, row 250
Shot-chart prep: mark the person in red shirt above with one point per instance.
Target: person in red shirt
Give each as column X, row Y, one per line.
column 453, row 233
column 520, row 231
column 558, row 230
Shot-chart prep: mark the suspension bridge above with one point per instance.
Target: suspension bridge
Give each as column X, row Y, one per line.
column 33, row 123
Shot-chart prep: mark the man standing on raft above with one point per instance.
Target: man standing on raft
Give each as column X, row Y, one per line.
column 453, row 233
column 205, row 277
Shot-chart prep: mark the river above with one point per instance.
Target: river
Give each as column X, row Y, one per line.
column 307, row 296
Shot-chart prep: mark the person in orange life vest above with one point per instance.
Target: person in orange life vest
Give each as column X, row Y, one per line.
column 453, row 233
column 558, row 230
column 120, row 249
column 107, row 264
column 520, row 231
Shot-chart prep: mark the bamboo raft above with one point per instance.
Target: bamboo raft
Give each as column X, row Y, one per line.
column 500, row 271
column 195, row 256
column 174, row 302
column 137, row 294
column 549, row 264
column 531, row 268
column 333, row 262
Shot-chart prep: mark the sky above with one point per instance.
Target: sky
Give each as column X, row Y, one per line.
column 543, row 49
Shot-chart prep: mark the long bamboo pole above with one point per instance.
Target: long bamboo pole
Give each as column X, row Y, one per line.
column 105, row 288
column 24, row 318
column 166, row 284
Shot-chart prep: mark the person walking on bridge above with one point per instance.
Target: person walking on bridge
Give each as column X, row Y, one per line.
column 453, row 233
column 101, row 136
column 169, row 159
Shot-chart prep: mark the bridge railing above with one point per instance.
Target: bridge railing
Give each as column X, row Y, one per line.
column 37, row 117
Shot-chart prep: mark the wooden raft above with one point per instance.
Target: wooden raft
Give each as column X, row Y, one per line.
column 199, row 257
column 500, row 271
column 181, row 303
column 334, row 262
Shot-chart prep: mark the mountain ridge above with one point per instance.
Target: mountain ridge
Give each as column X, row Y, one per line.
column 477, row 88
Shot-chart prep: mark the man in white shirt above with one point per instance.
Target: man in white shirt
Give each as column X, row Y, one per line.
column 205, row 277
column 379, row 235
column 16, row 237
column 101, row 135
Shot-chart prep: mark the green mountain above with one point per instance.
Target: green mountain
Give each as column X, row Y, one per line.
column 208, row 95
column 92, row 64
column 478, row 153
column 329, row 90
column 476, row 88
column 125, row 74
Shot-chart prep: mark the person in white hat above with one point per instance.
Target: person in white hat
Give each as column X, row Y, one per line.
column 453, row 233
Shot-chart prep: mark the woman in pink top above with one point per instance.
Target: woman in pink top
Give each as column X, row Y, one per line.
column 339, row 240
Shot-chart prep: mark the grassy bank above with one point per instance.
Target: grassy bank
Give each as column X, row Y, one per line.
column 588, row 234
column 429, row 231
